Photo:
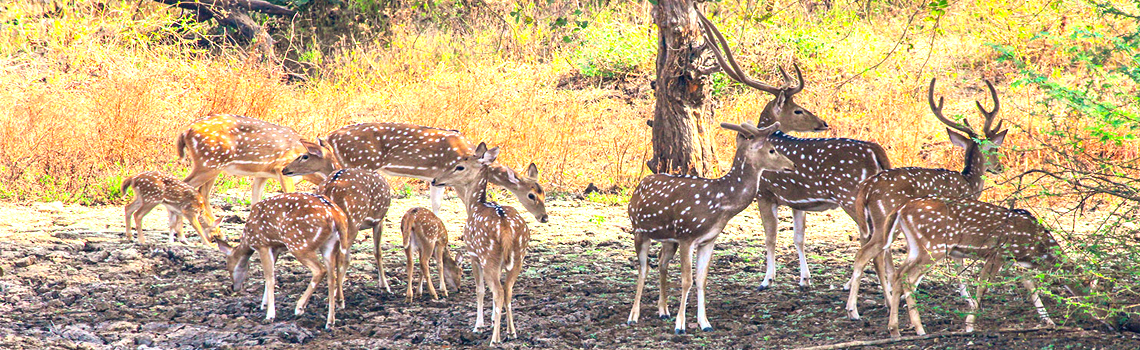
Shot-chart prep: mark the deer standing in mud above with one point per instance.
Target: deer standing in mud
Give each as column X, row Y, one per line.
column 180, row 199
column 496, row 236
column 310, row 227
column 241, row 146
column 425, row 235
column 828, row 170
column 688, row 212
column 883, row 193
column 414, row 151
column 936, row 228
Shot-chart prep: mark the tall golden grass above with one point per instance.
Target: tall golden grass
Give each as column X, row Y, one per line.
column 98, row 90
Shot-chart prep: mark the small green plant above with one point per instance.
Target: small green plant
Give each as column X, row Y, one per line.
column 597, row 219
column 614, row 49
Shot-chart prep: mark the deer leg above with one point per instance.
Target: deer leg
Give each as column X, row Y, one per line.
column 436, row 195
column 858, row 234
column 139, row 215
column 425, row 258
column 686, row 284
column 663, row 258
column 491, row 275
column 286, row 183
column 258, row 186
column 310, row 260
column 176, row 228
column 641, row 244
column 913, row 276
column 1027, row 282
column 332, row 256
column 768, row 218
column 377, row 232
column 509, row 291
column 798, row 223
column 989, row 269
column 410, row 294
column 267, row 260
column 202, row 179
column 439, row 250
column 866, row 253
column 477, row 270
column 704, row 259
column 131, row 209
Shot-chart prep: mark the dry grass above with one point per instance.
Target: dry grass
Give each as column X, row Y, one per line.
column 97, row 91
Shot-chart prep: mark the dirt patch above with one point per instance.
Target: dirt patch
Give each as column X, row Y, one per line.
column 72, row 281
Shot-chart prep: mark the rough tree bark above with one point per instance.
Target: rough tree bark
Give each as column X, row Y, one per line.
column 234, row 13
column 682, row 121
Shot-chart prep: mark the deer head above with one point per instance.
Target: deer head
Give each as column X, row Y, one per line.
column 752, row 147
column 471, row 169
column 987, row 141
column 782, row 108
column 237, row 262
column 316, row 160
column 525, row 188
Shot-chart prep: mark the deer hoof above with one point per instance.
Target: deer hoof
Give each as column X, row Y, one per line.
column 707, row 329
column 762, row 288
column 664, row 317
column 679, row 331
column 631, row 322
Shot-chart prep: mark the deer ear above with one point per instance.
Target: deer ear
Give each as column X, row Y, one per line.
column 479, row 150
column 997, row 140
column 511, row 176
column 321, row 142
column 778, row 103
column 532, row 172
column 489, row 156
column 958, row 139
column 313, row 148
column 225, row 247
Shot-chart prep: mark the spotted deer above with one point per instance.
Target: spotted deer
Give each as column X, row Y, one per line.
column 425, row 234
column 414, row 151
column 365, row 197
column 879, row 195
column 936, row 228
column 241, row 146
column 496, row 236
column 828, row 170
column 689, row 212
column 181, row 201
column 307, row 225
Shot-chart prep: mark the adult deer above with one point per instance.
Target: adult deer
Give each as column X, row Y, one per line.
column 496, row 235
column 425, row 234
column 881, row 194
column 365, row 197
column 689, row 212
column 241, row 146
column 307, row 225
column 827, row 169
column 181, row 201
column 935, row 228
column 413, row 151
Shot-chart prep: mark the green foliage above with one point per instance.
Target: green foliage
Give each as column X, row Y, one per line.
column 614, row 49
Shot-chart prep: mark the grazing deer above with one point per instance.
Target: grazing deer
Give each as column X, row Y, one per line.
column 881, row 194
column 425, row 234
column 828, row 169
column 365, row 197
column 240, row 146
column 181, row 201
column 307, row 225
column 496, row 235
column 935, row 228
column 414, row 151
column 689, row 212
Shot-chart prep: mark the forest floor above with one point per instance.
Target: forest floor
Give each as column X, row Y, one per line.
column 71, row 280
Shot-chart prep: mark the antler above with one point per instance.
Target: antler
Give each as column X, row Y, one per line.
column 731, row 68
column 937, row 110
column 790, row 88
column 992, row 114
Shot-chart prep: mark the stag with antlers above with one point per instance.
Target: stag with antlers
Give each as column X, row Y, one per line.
column 828, row 169
column 883, row 193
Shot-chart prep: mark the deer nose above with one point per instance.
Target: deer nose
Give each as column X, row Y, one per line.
column 823, row 126
column 436, row 183
column 544, row 219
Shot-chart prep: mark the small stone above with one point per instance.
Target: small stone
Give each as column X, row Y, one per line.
column 26, row 261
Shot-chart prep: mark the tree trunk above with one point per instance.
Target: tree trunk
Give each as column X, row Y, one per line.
column 682, row 123
column 234, row 13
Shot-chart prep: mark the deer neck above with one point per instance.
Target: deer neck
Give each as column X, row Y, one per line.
column 475, row 194
column 740, row 184
column 974, row 170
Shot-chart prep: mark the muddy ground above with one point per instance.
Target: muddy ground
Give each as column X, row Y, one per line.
column 72, row 281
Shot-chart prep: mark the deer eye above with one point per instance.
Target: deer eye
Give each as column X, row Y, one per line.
column 459, row 168
column 798, row 112
column 772, row 151
column 530, row 195
column 305, row 157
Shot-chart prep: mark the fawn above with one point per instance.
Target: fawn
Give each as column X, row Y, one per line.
column 425, row 234
column 180, row 199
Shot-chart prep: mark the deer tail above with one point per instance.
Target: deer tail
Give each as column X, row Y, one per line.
column 127, row 183
column 180, row 145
